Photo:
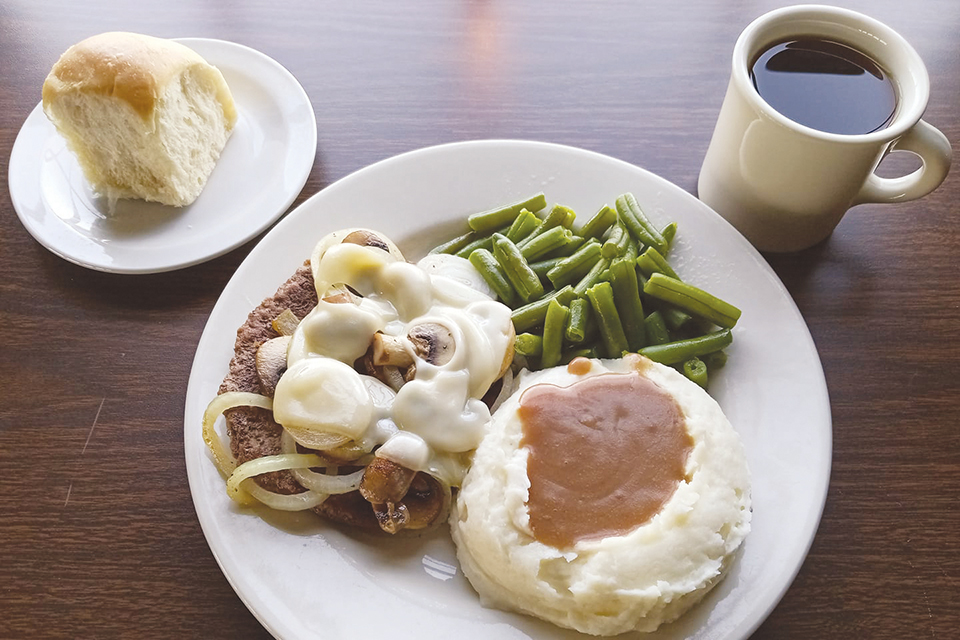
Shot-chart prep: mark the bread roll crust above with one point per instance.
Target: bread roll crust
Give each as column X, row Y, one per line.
column 131, row 67
column 147, row 118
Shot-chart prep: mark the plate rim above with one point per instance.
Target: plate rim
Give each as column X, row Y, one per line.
column 822, row 489
column 24, row 157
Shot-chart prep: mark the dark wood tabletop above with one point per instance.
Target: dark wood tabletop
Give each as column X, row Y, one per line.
column 98, row 533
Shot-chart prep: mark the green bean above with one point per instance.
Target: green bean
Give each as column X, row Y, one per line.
column 545, row 242
column 692, row 300
column 575, row 266
column 715, row 360
column 599, row 223
column 669, row 232
column 696, row 370
column 675, row 318
column 583, row 352
column 626, row 295
column 615, row 242
column 522, row 226
column 651, row 261
column 503, row 216
column 682, row 350
column 528, row 344
column 482, row 242
column 576, row 329
column 593, row 277
column 641, row 278
column 519, row 273
column 543, row 267
column 452, row 246
column 532, row 314
column 603, row 276
column 568, row 248
column 554, row 218
column 553, row 325
column 484, row 262
column 632, row 249
column 656, row 329
column 632, row 216
column 611, row 330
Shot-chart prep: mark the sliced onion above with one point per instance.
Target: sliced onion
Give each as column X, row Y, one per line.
column 319, row 440
column 222, row 457
column 394, row 376
column 328, row 483
column 331, row 485
column 268, row 464
column 280, row 502
column 285, row 323
column 506, row 389
column 458, row 269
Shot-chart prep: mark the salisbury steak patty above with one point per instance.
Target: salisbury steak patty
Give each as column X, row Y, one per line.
column 253, row 432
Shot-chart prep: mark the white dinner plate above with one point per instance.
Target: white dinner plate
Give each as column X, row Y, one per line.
column 261, row 171
column 304, row 578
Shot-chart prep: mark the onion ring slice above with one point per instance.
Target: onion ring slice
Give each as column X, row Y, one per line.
column 319, row 440
column 222, row 457
column 280, row 502
column 238, row 489
column 328, row 483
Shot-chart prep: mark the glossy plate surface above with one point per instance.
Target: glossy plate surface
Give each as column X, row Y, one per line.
column 304, row 578
column 261, row 171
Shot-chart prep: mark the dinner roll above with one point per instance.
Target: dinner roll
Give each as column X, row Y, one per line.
column 146, row 117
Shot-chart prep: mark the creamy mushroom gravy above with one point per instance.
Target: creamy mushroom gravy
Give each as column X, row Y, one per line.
column 606, row 453
column 436, row 418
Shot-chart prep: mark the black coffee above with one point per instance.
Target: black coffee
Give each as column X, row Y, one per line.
column 825, row 85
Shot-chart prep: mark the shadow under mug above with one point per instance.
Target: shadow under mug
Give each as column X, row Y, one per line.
column 784, row 185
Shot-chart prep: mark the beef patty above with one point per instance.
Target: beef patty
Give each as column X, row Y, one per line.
column 253, row 432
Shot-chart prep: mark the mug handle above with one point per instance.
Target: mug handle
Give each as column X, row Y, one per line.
column 935, row 153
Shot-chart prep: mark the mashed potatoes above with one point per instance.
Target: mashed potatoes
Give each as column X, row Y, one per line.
column 635, row 580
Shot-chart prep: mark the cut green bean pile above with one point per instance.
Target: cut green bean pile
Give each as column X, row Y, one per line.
column 603, row 288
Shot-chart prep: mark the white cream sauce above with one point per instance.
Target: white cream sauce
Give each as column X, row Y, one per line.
column 436, row 419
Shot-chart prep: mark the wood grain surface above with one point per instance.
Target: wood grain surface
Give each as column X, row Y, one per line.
column 98, row 535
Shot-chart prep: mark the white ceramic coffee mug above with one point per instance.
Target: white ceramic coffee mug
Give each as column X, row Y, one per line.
column 786, row 186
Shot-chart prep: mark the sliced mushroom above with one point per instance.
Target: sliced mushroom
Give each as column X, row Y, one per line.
column 271, row 362
column 426, row 501
column 385, row 481
column 390, row 350
column 387, row 374
column 341, row 294
column 432, row 342
column 366, row 238
column 391, row 517
column 423, row 503
column 390, row 375
column 362, row 237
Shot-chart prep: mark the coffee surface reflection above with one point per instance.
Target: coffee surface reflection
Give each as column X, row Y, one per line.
column 825, row 85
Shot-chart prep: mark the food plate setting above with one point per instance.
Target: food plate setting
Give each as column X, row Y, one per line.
column 261, row 171
column 303, row 577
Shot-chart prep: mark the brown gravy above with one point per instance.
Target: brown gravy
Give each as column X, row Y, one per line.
column 605, row 455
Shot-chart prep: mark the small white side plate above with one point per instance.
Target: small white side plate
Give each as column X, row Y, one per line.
column 261, row 171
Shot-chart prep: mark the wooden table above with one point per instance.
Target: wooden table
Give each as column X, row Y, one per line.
column 98, row 535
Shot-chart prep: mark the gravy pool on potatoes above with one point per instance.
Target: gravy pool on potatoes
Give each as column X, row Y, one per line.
column 616, row 508
column 606, row 453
